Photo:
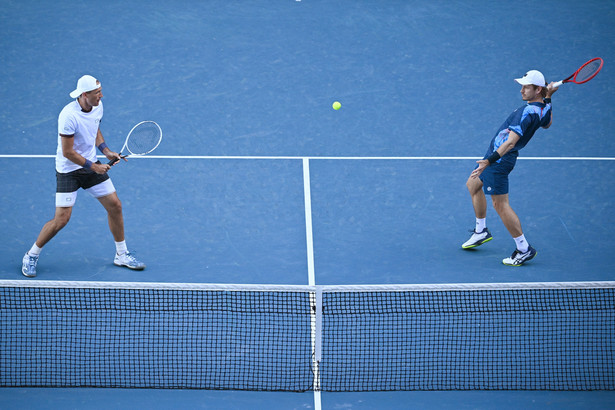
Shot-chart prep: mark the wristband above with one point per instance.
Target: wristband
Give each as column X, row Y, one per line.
column 493, row 157
column 102, row 147
column 547, row 100
column 88, row 164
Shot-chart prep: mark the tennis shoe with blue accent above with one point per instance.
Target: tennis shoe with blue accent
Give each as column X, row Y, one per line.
column 477, row 239
column 28, row 266
column 128, row 260
column 518, row 258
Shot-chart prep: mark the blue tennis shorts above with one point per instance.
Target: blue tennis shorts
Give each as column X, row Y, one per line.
column 495, row 177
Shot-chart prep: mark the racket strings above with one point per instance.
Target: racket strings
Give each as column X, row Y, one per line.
column 589, row 70
column 143, row 139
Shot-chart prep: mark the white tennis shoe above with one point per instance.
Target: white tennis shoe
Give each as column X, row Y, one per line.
column 28, row 265
column 518, row 258
column 477, row 239
column 129, row 261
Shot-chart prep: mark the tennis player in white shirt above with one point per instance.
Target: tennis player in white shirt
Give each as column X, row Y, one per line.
column 77, row 167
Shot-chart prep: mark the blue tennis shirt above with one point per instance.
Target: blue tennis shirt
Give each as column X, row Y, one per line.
column 525, row 120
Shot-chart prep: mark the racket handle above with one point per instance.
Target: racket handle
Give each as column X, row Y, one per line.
column 115, row 160
column 557, row 84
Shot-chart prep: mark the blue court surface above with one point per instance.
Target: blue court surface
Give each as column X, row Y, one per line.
column 243, row 93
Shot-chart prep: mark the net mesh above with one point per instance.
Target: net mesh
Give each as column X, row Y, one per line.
column 144, row 138
column 468, row 340
column 359, row 339
column 150, row 338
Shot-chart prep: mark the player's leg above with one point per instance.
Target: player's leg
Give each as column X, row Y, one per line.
column 107, row 196
column 507, row 214
column 50, row 229
column 479, row 201
column 480, row 234
column 115, row 216
column 523, row 251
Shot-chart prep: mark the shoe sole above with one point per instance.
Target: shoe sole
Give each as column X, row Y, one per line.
column 129, row 267
column 521, row 264
column 477, row 244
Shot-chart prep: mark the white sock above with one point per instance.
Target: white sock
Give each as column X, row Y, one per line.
column 121, row 247
column 35, row 250
column 522, row 244
column 481, row 224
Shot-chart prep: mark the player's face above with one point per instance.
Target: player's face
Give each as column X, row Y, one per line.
column 93, row 97
column 530, row 92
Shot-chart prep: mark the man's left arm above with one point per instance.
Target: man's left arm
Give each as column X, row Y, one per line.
column 103, row 148
column 502, row 150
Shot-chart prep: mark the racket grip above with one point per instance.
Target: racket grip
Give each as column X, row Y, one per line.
column 557, row 84
column 113, row 161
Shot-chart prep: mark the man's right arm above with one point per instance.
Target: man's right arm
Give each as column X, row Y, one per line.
column 550, row 91
column 69, row 153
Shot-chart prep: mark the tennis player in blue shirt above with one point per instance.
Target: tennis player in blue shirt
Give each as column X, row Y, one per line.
column 491, row 174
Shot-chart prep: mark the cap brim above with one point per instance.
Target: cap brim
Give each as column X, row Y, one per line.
column 78, row 92
column 523, row 81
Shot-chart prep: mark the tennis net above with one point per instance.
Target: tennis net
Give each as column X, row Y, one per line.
column 539, row 336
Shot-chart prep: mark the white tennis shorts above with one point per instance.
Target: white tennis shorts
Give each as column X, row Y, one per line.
column 67, row 199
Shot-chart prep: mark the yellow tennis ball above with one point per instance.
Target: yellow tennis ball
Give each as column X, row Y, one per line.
column 337, row 105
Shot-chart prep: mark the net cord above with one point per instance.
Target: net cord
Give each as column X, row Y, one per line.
column 306, row 288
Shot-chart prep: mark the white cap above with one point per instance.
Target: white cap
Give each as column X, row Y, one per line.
column 534, row 77
column 85, row 84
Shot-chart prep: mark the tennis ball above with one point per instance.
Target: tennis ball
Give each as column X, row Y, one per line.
column 337, row 105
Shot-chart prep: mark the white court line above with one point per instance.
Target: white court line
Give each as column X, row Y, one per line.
column 308, row 221
column 324, row 157
column 316, row 321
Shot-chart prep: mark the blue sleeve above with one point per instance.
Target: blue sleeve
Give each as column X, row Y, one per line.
column 546, row 119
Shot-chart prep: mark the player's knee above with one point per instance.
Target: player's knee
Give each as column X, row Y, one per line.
column 474, row 185
column 115, row 207
column 499, row 204
column 61, row 220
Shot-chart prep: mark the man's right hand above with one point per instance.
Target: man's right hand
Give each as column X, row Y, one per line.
column 100, row 168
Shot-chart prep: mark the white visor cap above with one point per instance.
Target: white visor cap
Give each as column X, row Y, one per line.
column 533, row 77
column 85, row 84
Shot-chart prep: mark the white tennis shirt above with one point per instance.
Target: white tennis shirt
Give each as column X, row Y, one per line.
column 84, row 126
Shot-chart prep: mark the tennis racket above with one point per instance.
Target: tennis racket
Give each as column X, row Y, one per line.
column 142, row 139
column 585, row 73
